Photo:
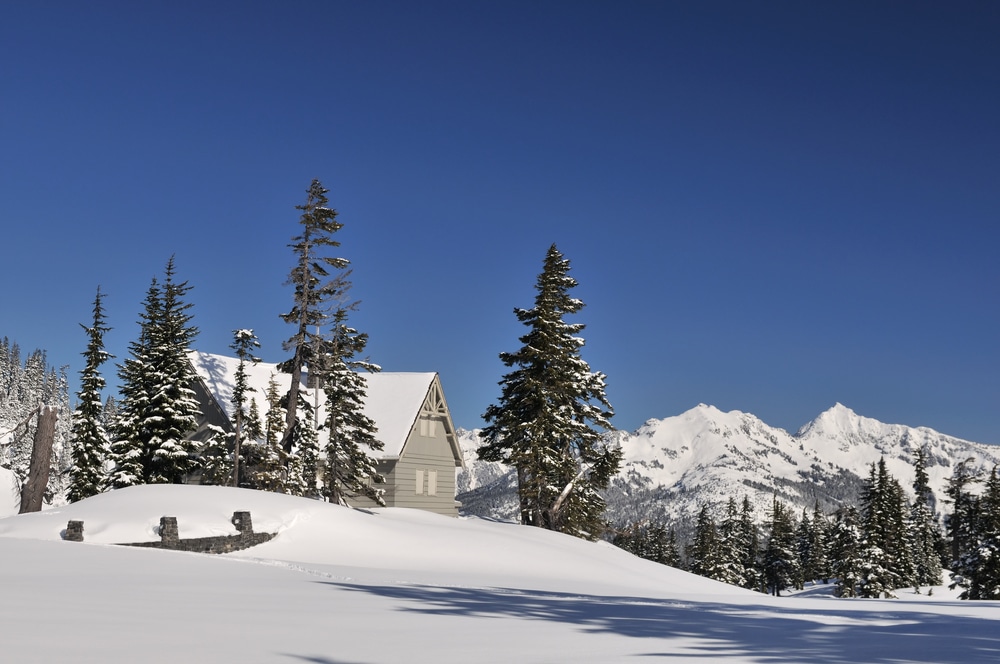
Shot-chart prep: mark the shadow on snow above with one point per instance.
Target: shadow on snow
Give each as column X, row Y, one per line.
column 764, row 633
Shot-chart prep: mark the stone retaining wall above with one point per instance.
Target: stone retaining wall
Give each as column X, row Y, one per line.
column 170, row 537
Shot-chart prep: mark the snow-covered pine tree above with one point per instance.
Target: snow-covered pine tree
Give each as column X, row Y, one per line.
column 302, row 474
column 315, row 291
column 158, row 406
column 820, row 545
column 704, row 554
column 781, row 560
column 89, row 439
column 267, row 472
column 349, row 471
column 925, row 534
column 748, row 543
column 961, row 524
column 651, row 541
column 129, row 454
column 845, row 552
column 244, row 343
column 551, row 410
column 733, row 544
column 977, row 568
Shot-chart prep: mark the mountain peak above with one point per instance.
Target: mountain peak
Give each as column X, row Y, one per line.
column 838, row 418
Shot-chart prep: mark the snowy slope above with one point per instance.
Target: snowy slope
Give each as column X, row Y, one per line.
column 348, row 586
column 9, row 497
column 672, row 466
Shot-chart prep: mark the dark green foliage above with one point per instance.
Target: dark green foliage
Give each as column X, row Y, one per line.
column 926, row 537
column 781, row 560
column 244, row 343
column 705, row 554
column 316, row 291
column 551, row 410
column 89, row 439
column 349, row 470
column 885, row 535
column 846, row 552
column 651, row 541
column 266, row 461
column 977, row 567
column 158, row 407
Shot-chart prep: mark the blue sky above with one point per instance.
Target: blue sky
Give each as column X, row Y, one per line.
column 770, row 207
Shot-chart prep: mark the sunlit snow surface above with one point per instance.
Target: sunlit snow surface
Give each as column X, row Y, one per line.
column 348, row 586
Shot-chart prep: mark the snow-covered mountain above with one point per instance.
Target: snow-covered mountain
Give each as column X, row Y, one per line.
column 675, row 465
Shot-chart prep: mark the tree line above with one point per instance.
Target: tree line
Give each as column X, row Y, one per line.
column 885, row 543
column 145, row 436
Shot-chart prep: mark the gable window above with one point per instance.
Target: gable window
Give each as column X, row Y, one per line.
column 432, row 482
column 428, row 427
column 418, row 483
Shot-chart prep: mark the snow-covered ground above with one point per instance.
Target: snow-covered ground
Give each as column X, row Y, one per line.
column 348, row 586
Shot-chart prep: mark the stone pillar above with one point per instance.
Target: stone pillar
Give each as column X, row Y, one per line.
column 74, row 531
column 243, row 523
column 169, row 535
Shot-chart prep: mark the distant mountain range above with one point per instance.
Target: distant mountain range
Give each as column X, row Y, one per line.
column 675, row 465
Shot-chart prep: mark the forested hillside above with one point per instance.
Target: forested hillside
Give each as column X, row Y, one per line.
column 26, row 384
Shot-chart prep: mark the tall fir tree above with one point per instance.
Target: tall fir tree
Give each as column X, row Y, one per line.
column 159, row 408
column 349, row 470
column 245, row 342
column 961, row 524
column 926, row 537
column 129, row 452
column 316, row 293
column 268, row 470
column 780, row 560
column 552, row 408
column 89, row 439
column 977, row 568
column 847, row 562
column 705, row 554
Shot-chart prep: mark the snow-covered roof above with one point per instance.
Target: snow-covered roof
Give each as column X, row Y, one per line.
column 393, row 399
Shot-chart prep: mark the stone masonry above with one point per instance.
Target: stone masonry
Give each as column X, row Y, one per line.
column 170, row 537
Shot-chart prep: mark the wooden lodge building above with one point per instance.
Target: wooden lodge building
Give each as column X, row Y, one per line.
column 421, row 453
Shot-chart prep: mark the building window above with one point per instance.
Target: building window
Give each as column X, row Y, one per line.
column 432, row 482
column 418, row 486
column 428, row 427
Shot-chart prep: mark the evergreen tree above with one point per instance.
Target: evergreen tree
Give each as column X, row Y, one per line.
column 349, row 470
column 158, row 406
column 705, row 555
column 89, row 438
column 846, row 554
column 738, row 546
column 926, row 537
column 804, row 546
column 781, row 560
column 977, row 569
column 748, row 545
column 961, row 524
column 244, row 343
column 820, row 545
column 546, row 424
column 268, row 469
column 885, row 535
column 316, row 292
column 138, row 383
column 651, row 541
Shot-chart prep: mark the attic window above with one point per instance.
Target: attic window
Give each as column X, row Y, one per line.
column 428, row 427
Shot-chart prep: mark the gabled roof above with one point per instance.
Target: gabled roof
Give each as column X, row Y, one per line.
column 393, row 399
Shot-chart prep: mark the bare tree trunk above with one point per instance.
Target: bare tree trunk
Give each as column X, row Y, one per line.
column 34, row 486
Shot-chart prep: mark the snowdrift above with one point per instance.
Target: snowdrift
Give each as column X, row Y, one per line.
column 349, row 586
